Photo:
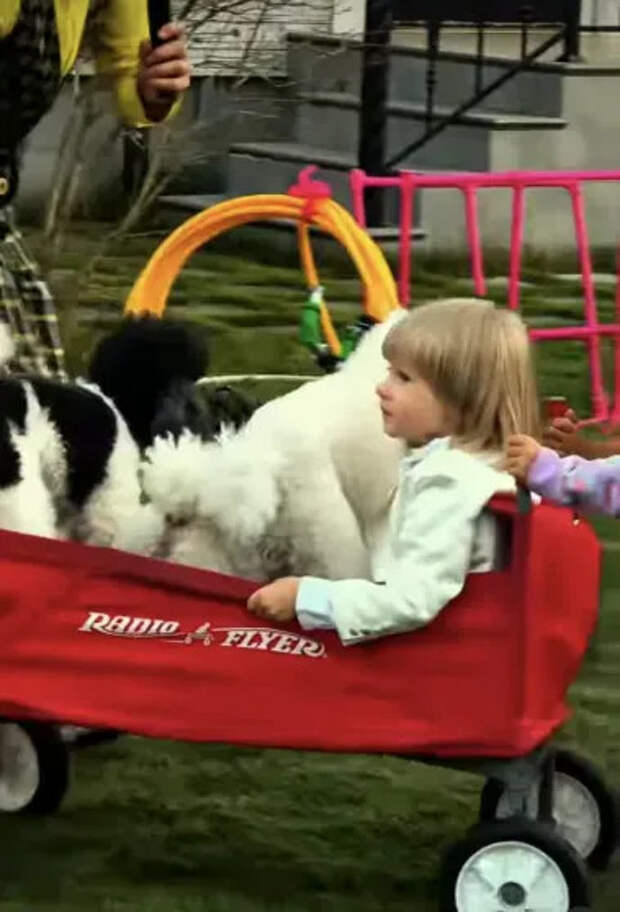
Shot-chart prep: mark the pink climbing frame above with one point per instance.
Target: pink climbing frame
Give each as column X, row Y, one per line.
column 591, row 331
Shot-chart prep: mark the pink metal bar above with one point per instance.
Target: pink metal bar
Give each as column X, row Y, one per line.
column 496, row 179
column 576, row 332
column 358, row 184
column 358, row 181
column 599, row 398
column 615, row 408
column 473, row 235
column 406, row 225
column 516, row 245
column 518, row 181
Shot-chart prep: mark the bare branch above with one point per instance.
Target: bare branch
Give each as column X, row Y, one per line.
column 240, row 40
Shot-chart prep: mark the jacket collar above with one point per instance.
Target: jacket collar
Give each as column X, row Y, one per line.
column 416, row 454
column 492, row 458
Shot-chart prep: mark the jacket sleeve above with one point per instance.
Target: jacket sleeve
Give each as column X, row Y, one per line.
column 117, row 38
column 9, row 11
column 431, row 559
column 592, row 485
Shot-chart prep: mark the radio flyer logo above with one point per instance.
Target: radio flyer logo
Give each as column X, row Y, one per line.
column 263, row 639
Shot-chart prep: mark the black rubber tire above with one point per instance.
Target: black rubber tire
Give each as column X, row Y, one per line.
column 53, row 766
column 588, row 775
column 92, row 738
column 530, row 832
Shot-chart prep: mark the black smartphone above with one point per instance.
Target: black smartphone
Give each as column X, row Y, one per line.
column 159, row 14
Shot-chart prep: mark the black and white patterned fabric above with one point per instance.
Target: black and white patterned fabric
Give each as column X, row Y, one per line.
column 30, row 76
column 27, row 308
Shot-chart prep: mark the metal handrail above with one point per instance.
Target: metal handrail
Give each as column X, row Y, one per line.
column 435, row 128
column 437, row 15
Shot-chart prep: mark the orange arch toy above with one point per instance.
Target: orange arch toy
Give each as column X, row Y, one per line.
column 150, row 292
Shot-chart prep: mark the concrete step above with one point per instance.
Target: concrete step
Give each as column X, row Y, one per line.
column 272, row 167
column 190, row 202
column 535, row 91
column 280, row 235
column 275, row 166
column 332, row 64
column 599, row 50
column 331, row 120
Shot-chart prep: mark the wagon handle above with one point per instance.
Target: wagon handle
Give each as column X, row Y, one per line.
column 524, row 500
column 516, row 504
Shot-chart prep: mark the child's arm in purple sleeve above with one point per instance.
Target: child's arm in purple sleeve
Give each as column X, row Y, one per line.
column 592, row 485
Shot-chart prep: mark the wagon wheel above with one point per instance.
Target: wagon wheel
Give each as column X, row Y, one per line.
column 78, row 736
column 584, row 808
column 34, row 768
column 516, row 865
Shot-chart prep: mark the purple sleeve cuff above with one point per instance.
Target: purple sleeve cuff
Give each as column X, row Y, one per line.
column 591, row 485
column 545, row 475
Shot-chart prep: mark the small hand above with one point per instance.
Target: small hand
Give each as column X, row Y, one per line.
column 275, row 601
column 521, row 451
column 163, row 72
column 562, row 435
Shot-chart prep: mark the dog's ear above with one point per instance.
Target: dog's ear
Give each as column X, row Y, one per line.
column 140, row 363
column 228, row 406
column 204, row 411
column 182, row 408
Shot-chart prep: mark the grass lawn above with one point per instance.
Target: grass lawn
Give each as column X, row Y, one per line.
column 168, row 827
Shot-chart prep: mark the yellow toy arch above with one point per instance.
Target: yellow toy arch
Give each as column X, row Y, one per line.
column 151, row 290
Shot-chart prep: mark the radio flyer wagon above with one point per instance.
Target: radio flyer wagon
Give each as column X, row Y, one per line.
column 112, row 641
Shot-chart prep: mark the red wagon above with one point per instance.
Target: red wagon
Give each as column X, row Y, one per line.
column 111, row 641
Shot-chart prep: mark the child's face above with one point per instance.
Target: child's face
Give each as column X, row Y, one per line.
column 410, row 409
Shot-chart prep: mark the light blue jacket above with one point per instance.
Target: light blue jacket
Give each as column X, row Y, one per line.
column 439, row 532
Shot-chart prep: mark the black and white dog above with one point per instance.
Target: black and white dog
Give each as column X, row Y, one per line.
column 149, row 367
column 70, row 453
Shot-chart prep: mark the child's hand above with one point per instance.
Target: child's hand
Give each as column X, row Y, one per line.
column 275, row 601
column 562, row 435
column 521, row 451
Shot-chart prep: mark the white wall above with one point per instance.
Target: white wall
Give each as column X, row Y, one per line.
column 600, row 12
column 348, row 18
column 220, row 46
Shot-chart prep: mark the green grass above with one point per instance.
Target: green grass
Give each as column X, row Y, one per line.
column 169, row 827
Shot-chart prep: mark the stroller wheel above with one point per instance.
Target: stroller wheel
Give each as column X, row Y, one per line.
column 34, row 768
column 513, row 864
column 584, row 808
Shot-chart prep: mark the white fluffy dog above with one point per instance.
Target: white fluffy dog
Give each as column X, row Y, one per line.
column 69, row 468
column 303, row 488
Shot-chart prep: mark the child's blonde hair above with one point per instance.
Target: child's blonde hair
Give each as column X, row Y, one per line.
column 477, row 360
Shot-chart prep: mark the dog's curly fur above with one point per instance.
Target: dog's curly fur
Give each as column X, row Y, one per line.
column 303, row 488
column 69, row 466
column 149, row 368
column 70, row 453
